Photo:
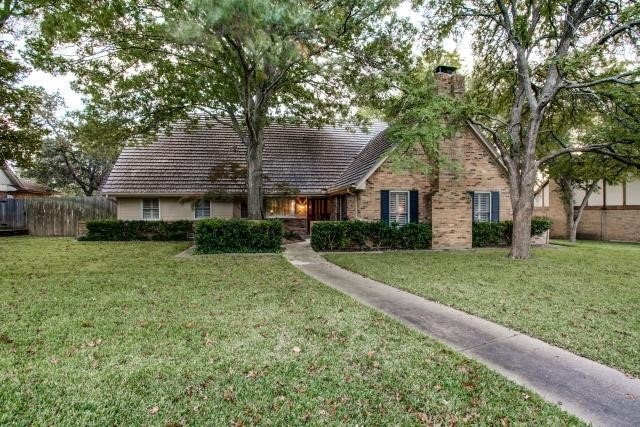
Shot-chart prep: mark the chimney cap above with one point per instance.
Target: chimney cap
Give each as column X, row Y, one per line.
column 446, row 69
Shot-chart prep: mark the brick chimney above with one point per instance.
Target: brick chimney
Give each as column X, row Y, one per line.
column 448, row 82
column 450, row 204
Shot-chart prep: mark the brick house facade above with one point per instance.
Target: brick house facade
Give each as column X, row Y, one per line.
column 612, row 212
column 334, row 173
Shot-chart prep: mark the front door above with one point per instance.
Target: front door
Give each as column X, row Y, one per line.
column 317, row 210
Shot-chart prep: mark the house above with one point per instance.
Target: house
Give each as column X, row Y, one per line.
column 12, row 187
column 312, row 175
column 612, row 211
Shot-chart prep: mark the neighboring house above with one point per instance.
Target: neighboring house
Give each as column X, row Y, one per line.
column 12, row 187
column 312, row 175
column 612, row 212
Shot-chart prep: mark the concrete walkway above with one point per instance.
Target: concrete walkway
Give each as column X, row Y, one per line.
column 594, row 392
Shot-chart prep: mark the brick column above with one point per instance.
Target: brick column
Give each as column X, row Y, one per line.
column 450, row 204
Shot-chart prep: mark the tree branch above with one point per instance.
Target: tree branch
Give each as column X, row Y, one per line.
column 613, row 79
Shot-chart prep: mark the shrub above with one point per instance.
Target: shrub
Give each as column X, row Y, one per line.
column 488, row 234
column 238, row 235
column 115, row 230
column 363, row 236
column 540, row 224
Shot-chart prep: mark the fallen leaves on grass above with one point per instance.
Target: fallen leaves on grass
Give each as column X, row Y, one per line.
column 422, row 417
column 154, row 410
column 229, row 395
column 296, row 349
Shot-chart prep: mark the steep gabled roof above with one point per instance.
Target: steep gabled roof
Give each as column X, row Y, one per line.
column 13, row 179
column 365, row 163
column 23, row 184
column 307, row 159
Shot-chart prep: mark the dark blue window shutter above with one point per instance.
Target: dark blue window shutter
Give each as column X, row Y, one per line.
column 473, row 206
column 413, row 206
column 495, row 206
column 384, row 206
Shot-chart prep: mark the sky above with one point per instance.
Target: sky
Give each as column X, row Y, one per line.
column 61, row 84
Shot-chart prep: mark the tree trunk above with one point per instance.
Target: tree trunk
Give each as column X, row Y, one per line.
column 577, row 216
column 521, row 235
column 255, row 192
column 573, row 231
column 566, row 194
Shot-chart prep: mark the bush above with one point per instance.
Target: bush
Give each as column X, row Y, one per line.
column 115, row 230
column 364, row 236
column 238, row 235
column 488, row 234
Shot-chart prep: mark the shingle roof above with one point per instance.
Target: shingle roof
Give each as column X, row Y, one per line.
column 364, row 162
column 308, row 159
column 22, row 184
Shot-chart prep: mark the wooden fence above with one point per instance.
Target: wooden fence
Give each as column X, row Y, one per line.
column 12, row 214
column 59, row 216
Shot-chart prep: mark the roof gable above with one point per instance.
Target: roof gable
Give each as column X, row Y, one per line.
column 295, row 157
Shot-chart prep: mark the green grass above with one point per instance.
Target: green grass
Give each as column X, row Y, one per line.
column 585, row 298
column 125, row 333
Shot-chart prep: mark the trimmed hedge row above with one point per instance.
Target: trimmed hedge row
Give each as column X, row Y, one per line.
column 363, row 236
column 115, row 230
column 488, row 234
column 238, row 235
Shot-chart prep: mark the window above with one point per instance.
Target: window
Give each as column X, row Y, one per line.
column 202, row 209
column 281, row 208
column 398, row 207
column 150, row 208
column 482, row 207
column 342, row 207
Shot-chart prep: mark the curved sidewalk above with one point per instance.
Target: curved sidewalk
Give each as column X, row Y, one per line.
column 594, row 392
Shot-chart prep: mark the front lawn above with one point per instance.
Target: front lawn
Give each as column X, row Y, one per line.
column 585, row 298
column 125, row 333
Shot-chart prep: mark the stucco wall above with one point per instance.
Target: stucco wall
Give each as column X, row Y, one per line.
column 130, row 208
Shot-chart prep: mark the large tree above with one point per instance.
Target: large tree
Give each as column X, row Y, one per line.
column 77, row 154
column 20, row 129
column 529, row 54
column 241, row 63
column 615, row 126
column 583, row 173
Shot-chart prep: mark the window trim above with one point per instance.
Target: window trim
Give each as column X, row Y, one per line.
column 408, row 212
column 194, row 208
column 142, row 209
column 490, row 204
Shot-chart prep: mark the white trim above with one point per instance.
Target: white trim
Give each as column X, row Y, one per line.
column 193, row 208
column 142, row 209
column 362, row 184
column 408, row 213
column 490, row 205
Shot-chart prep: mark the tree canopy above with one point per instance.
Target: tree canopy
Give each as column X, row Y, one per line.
column 148, row 63
column 20, row 128
column 533, row 57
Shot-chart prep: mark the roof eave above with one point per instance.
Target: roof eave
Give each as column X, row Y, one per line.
column 491, row 149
